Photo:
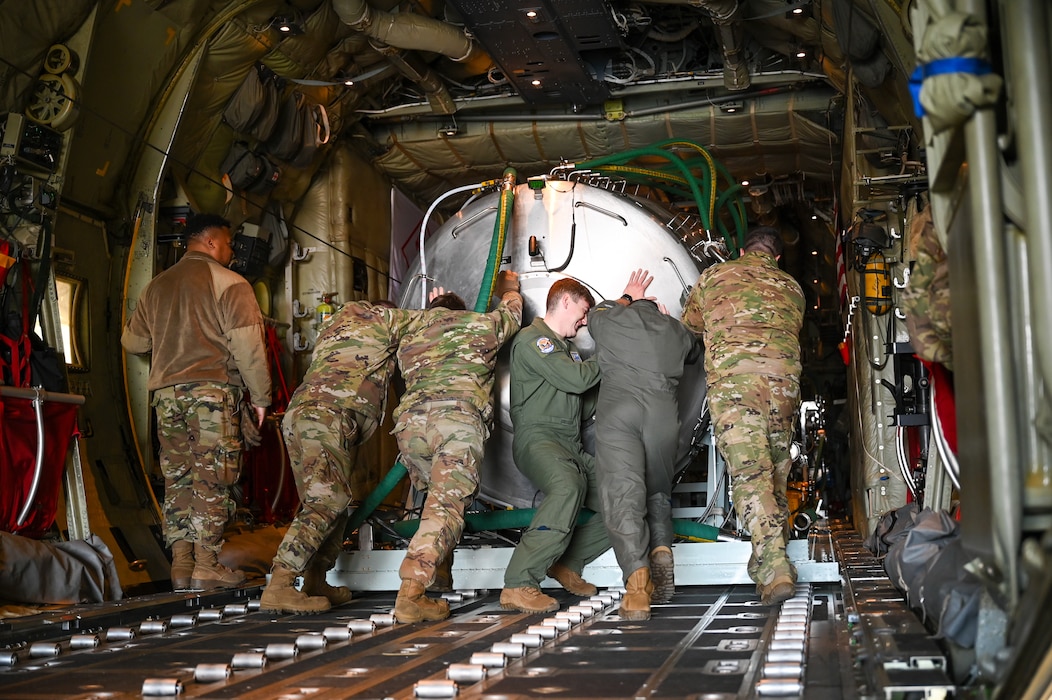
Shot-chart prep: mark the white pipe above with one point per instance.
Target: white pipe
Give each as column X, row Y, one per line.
column 423, row 233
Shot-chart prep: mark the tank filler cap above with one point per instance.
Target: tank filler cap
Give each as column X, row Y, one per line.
column 537, row 183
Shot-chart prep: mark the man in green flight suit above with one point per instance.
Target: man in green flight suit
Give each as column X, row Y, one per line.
column 549, row 385
column 641, row 351
column 749, row 313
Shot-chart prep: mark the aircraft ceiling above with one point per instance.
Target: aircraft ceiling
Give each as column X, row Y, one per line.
column 756, row 83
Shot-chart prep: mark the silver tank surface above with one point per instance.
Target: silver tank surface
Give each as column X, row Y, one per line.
column 593, row 235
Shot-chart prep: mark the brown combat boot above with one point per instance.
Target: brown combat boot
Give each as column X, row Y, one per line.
column 663, row 574
column 527, row 599
column 314, row 584
column 777, row 591
column 571, row 580
column 281, row 595
column 413, row 605
column 182, row 565
column 209, row 573
column 635, row 605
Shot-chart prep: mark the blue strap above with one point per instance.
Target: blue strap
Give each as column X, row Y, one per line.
column 942, row 66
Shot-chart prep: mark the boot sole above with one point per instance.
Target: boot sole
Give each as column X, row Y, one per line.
column 531, row 611
column 409, row 619
column 290, row 610
column 634, row 615
column 199, row 585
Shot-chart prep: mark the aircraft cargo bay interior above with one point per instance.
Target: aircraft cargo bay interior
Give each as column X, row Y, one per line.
column 525, row 348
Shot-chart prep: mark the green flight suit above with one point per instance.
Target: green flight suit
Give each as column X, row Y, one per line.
column 549, row 381
column 641, row 352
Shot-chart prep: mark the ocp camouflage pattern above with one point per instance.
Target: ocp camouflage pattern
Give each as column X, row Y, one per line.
column 926, row 298
column 451, row 354
column 353, row 359
column 749, row 314
column 752, row 418
column 200, row 439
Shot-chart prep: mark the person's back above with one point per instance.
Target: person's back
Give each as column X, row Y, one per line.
column 639, row 346
column 751, row 312
column 451, row 353
column 354, row 357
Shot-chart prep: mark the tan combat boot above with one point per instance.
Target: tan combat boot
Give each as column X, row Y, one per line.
column 663, row 574
column 635, row 605
column 777, row 591
column 314, row 584
column 281, row 595
column 182, row 565
column 571, row 580
column 527, row 599
column 413, row 605
column 209, row 573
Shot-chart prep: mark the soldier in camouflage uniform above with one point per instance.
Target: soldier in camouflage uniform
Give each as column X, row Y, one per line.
column 926, row 298
column 749, row 314
column 447, row 358
column 203, row 327
column 337, row 407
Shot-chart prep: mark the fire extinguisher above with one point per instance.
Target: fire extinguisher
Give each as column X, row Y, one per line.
column 876, row 283
column 325, row 310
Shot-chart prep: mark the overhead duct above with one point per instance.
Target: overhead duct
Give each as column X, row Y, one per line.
column 731, row 33
column 406, row 30
column 416, row 70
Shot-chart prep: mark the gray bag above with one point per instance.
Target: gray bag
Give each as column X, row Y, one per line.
column 253, row 108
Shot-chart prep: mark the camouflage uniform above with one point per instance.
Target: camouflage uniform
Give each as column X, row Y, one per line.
column 926, row 299
column 200, row 439
column 447, row 359
column 749, row 313
column 641, row 353
column 550, row 395
column 202, row 325
column 337, row 407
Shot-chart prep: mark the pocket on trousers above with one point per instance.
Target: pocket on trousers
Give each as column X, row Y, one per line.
column 228, row 460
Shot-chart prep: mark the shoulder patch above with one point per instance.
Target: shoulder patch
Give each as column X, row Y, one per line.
column 545, row 345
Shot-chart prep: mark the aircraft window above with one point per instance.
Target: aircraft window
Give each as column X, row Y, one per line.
column 72, row 307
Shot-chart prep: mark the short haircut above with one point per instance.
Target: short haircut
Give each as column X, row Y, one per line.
column 765, row 239
column 198, row 224
column 449, row 300
column 568, row 287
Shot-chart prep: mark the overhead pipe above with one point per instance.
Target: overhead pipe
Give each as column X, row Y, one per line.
column 407, row 30
column 413, row 68
column 731, row 32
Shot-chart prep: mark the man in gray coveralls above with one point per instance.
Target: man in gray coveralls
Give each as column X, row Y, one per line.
column 641, row 351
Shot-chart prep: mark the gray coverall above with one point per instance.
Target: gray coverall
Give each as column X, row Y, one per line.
column 641, row 353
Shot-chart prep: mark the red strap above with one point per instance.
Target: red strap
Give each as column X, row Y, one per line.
column 281, row 399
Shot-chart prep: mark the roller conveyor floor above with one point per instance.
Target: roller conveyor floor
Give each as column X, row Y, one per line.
column 709, row 642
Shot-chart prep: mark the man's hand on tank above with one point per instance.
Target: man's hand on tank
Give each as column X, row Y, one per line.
column 436, row 292
column 507, row 281
column 637, row 285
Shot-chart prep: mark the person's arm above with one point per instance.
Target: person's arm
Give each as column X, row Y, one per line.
column 246, row 342
column 636, row 288
column 692, row 316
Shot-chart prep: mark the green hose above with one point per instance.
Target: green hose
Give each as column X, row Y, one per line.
column 500, row 234
column 376, row 497
column 521, row 517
